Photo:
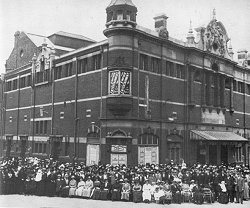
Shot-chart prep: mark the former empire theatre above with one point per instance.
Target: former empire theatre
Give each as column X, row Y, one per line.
column 140, row 96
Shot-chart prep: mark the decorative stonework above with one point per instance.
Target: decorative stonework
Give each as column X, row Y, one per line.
column 216, row 38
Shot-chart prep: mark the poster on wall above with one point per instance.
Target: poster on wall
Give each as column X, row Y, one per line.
column 148, row 155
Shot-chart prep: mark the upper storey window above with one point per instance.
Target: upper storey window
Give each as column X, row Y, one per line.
column 128, row 15
column 119, row 82
column 119, row 15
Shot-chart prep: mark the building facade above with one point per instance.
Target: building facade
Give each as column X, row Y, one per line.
column 138, row 97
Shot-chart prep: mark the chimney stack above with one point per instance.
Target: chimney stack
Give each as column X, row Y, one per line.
column 17, row 35
column 160, row 21
column 242, row 56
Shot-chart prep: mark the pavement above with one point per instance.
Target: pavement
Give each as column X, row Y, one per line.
column 21, row 201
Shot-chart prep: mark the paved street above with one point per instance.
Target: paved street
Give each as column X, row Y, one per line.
column 20, row 201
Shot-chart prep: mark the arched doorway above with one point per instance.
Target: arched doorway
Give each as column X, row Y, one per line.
column 119, row 146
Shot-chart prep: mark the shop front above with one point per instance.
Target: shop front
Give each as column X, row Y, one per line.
column 217, row 147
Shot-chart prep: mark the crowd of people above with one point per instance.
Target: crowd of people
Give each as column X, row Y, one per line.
column 163, row 183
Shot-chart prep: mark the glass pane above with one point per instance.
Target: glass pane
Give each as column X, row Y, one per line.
column 125, row 83
column 114, row 82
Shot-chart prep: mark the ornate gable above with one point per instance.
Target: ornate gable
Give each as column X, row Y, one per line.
column 216, row 38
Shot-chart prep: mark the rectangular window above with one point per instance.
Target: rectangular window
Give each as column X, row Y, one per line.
column 45, row 127
column 119, row 15
column 68, row 70
column 82, row 66
column 143, row 62
column 28, row 80
column 44, row 148
column 170, row 69
column 41, row 127
column 37, row 127
column 58, row 72
column 241, row 87
column 46, row 75
column 248, row 89
column 179, row 71
column 234, row 85
column 36, row 147
column 14, row 87
column 155, row 65
column 97, row 61
column 40, row 148
column 8, row 86
column 22, row 82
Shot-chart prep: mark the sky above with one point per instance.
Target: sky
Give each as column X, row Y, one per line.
column 88, row 17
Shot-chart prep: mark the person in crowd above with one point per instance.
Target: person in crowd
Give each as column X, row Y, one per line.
column 97, row 189
column 137, row 191
column 159, row 195
column 30, row 185
column 105, row 190
column 176, row 191
column 223, row 195
column 116, row 190
column 230, row 185
column 239, row 188
column 80, row 187
column 246, row 186
column 59, row 184
column 65, row 186
column 146, row 192
column 72, row 186
column 125, row 192
column 48, row 177
column 88, row 188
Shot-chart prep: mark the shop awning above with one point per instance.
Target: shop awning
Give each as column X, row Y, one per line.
column 216, row 136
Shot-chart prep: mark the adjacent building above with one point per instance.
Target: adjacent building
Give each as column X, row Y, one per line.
column 138, row 97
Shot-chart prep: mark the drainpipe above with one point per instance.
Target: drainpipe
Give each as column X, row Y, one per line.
column 75, row 110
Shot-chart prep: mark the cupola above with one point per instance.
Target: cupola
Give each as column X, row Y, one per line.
column 121, row 13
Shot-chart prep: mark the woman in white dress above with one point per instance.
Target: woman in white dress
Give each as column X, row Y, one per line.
column 88, row 188
column 80, row 187
column 146, row 192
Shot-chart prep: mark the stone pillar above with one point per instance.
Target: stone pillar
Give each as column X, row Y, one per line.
column 222, row 91
column 231, row 95
column 191, row 85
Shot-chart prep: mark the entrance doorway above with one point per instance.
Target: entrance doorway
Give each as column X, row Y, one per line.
column 23, row 146
column 212, row 154
column 55, row 150
column 118, row 159
column 224, row 154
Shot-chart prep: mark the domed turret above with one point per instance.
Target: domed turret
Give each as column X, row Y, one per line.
column 121, row 13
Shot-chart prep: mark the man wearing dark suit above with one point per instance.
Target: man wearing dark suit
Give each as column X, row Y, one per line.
column 239, row 188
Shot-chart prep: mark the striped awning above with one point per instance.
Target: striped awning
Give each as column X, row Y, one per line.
column 216, row 136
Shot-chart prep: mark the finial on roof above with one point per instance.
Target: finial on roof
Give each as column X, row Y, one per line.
column 190, row 27
column 214, row 14
column 44, row 42
column 34, row 57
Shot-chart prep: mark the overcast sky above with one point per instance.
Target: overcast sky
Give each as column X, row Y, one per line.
column 87, row 17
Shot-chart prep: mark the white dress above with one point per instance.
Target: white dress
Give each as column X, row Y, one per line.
column 146, row 192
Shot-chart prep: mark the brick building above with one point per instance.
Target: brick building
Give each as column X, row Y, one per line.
column 140, row 96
